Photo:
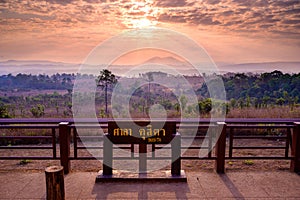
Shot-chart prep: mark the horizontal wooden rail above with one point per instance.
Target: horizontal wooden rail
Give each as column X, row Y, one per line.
column 258, row 147
column 27, row 126
column 28, row 158
column 260, row 158
column 198, row 158
column 263, row 126
column 186, row 121
column 260, row 137
column 25, row 137
column 25, row 147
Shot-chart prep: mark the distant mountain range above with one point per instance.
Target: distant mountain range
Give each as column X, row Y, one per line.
column 169, row 60
column 287, row 67
column 36, row 67
column 49, row 67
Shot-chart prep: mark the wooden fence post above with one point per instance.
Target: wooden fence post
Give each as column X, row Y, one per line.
column 295, row 162
column 142, row 158
column 220, row 148
column 55, row 187
column 176, row 155
column 64, row 142
column 107, row 156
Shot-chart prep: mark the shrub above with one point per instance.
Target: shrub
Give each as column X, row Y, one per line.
column 248, row 162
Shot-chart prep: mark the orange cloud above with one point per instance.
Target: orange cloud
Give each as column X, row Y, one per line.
column 68, row 29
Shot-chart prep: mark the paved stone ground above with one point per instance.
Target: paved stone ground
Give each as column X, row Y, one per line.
column 200, row 185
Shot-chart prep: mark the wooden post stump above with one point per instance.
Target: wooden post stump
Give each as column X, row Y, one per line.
column 64, row 145
column 55, row 189
column 221, row 148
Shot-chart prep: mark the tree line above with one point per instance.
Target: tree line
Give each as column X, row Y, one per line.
column 24, row 82
column 242, row 91
column 259, row 90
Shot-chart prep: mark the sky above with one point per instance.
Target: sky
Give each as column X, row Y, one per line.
column 231, row 31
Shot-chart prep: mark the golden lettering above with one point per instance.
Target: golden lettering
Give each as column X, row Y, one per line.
column 149, row 130
column 116, row 132
column 156, row 132
column 145, row 133
column 164, row 132
column 142, row 133
column 126, row 131
column 122, row 132
column 151, row 140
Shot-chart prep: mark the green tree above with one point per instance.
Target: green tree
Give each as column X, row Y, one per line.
column 241, row 103
column 233, row 103
column 68, row 111
column 22, row 111
column 256, row 102
column 248, row 101
column 38, row 111
column 105, row 80
column 167, row 104
column 280, row 101
column 205, row 106
column 102, row 114
column 183, row 101
column 190, row 108
column 12, row 110
column 149, row 78
column 265, row 101
column 4, row 111
column 177, row 107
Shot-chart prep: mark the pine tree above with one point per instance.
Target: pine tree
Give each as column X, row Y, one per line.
column 105, row 80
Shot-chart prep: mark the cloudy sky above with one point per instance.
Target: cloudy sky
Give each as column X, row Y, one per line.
column 231, row 31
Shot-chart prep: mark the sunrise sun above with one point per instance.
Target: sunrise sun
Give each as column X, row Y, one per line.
column 141, row 15
column 142, row 23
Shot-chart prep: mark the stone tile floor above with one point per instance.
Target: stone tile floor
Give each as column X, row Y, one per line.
column 200, row 185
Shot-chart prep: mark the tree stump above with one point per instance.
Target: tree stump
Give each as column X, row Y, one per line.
column 55, row 189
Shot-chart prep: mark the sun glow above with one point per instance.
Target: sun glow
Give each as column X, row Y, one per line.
column 142, row 23
column 140, row 15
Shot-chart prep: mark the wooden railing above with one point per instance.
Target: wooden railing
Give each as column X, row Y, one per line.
column 63, row 132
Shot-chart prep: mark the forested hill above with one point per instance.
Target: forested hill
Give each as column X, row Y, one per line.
column 268, row 87
column 23, row 82
column 274, row 87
